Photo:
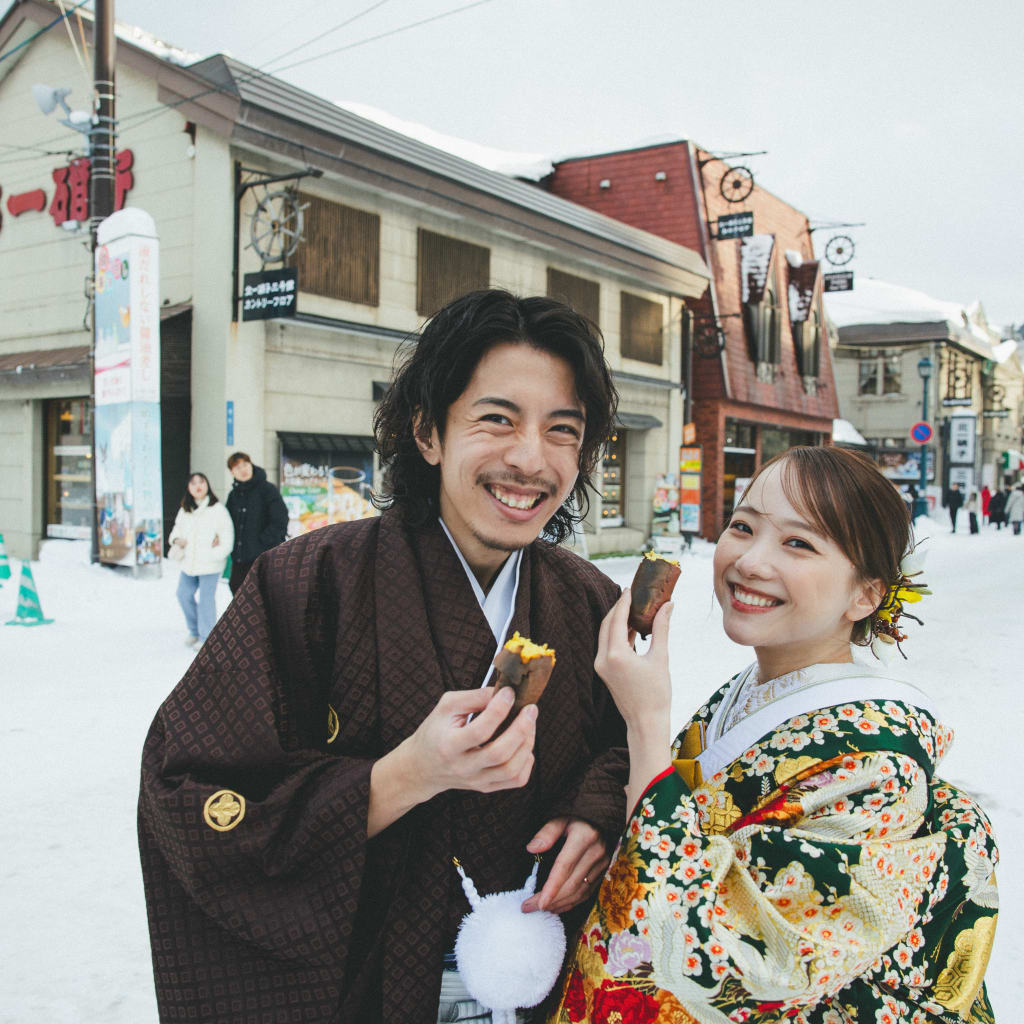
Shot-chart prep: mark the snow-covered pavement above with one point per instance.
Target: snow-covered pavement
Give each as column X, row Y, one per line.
column 78, row 697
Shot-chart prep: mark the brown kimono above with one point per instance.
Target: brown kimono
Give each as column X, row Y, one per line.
column 267, row 902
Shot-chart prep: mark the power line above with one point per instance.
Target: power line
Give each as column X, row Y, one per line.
column 157, row 111
column 45, row 28
column 329, row 32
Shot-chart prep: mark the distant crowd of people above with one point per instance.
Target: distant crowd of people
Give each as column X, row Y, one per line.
column 1004, row 506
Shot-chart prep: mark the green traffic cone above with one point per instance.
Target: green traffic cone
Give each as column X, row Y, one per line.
column 30, row 612
column 5, row 564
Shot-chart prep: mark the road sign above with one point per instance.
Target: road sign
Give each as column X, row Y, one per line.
column 921, row 432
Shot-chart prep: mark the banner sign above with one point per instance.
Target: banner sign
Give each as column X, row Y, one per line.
column 665, row 513
column 905, row 464
column 840, row 281
column 962, row 434
column 691, row 469
column 270, row 293
column 129, row 495
column 735, row 225
column 322, row 487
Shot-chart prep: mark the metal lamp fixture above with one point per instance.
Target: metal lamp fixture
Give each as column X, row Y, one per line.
column 47, row 99
column 924, row 371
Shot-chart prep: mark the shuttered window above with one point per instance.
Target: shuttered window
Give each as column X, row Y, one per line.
column 582, row 295
column 641, row 328
column 339, row 256
column 446, row 269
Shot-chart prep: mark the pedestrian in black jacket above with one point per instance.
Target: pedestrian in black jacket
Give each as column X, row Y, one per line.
column 954, row 500
column 258, row 512
column 996, row 507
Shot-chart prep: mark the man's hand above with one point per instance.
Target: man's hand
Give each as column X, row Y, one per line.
column 578, row 868
column 450, row 751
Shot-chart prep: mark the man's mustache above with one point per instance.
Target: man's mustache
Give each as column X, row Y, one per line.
column 535, row 483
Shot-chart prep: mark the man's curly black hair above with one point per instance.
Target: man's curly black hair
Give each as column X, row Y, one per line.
column 435, row 369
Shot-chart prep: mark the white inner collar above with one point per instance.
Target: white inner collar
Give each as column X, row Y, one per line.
column 499, row 603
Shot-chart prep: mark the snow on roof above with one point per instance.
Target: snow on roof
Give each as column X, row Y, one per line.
column 844, row 432
column 533, row 166
column 803, row 277
column 147, row 41
column 755, row 258
column 878, row 302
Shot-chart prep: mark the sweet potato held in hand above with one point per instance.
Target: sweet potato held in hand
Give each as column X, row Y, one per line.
column 526, row 667
column 652, row 586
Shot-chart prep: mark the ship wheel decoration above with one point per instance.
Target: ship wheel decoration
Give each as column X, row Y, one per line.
column 839, row 250
column 708, row 339
column 276, row 227
column 737, row 183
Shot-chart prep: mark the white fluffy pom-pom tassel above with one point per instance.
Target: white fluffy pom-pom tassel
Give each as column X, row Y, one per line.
column 509, row 959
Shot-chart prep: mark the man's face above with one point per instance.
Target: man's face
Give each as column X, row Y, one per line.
column 242, row 471
column 510, row 454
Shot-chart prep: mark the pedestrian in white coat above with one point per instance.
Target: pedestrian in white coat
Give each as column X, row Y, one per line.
column 201, row 541
column 1014, row 511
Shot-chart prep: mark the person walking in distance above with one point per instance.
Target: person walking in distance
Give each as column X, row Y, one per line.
column 986, row 501
column 1014, row 512
column 258, row 512
column 997, row 508
column 954, row 502
column 972, row 510
column 200, row 542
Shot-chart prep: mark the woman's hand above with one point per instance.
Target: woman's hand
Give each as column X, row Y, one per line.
column 642, row 690
column 639, row 683
column 180, row 543
column 216, row 541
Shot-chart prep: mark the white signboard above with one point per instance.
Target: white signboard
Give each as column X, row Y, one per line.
column 962, row 434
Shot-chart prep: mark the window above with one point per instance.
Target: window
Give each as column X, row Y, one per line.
column 339, row 257
column 764, row 331
column 808, row 344
column 69, row 503
column 881, row 373
column 640, row 325
column 447, row 268
column 584, row 296
column 613, row 480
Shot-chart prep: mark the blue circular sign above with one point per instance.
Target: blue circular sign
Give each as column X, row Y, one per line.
column 921, row 432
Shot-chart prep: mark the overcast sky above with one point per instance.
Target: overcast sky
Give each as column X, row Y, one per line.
column 905, row 115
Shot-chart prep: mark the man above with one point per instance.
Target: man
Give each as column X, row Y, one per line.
column 307, row 784
column 258, row 512
column 954, row 500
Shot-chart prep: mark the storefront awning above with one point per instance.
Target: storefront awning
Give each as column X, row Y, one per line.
column 45, row 359
column 637, row 421
column 296, row 442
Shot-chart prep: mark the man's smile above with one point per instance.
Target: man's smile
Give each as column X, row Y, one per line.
column 515, row 498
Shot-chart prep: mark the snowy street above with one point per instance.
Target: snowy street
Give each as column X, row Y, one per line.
column 79, row 695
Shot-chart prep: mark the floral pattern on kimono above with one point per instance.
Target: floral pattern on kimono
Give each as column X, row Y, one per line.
column 825, row 877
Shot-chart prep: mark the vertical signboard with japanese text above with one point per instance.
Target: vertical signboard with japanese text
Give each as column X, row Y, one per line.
column 691, row 471
column 127, row 386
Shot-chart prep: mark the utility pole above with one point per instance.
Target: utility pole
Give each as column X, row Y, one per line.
column 102, row 147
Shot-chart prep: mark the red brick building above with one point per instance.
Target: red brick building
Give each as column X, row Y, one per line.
column 758, row 358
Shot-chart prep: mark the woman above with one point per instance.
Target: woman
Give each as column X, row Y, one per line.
column 972, row 511
column 798, row 860
column 1013, row 512
column 201, row 541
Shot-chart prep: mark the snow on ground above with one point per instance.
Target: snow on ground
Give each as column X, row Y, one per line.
column 78, row 697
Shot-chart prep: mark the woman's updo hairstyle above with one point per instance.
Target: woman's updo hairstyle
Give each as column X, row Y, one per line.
column 845, row 496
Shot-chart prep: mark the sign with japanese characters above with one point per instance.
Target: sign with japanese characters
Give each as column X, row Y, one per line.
column 129, row 500
column 691, row 468
column 70, row 201
column 736, row 225
column 962, row 434
column 270, row 293
column 840, row 281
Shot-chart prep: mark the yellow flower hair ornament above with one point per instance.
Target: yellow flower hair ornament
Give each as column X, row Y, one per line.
column 884, row 627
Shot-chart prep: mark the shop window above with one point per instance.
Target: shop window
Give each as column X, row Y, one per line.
column 339, row 256
column 447, row 268
column 584, row 296
column 68, row 425
column 613, row 480
column 776, row 440
column 640, row 327
column 892, row 375
column 739, row 435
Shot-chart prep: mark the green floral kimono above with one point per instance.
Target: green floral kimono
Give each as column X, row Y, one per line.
column 824, row 876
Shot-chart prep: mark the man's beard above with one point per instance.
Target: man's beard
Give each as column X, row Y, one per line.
column 502, row 544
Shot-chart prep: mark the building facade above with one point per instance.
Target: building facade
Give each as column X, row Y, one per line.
column 226, row 160
column 975, row 387
column 759, row 374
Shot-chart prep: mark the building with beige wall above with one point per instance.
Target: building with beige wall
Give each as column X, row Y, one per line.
column 391, row 229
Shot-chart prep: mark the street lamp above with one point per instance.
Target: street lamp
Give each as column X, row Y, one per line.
column 924, row 371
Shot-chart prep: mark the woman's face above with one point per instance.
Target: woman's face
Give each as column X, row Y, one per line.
column 198, row 487
column 785, row 589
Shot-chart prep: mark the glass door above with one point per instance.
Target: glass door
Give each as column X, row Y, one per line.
column 613, row 480
column 68, row 468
